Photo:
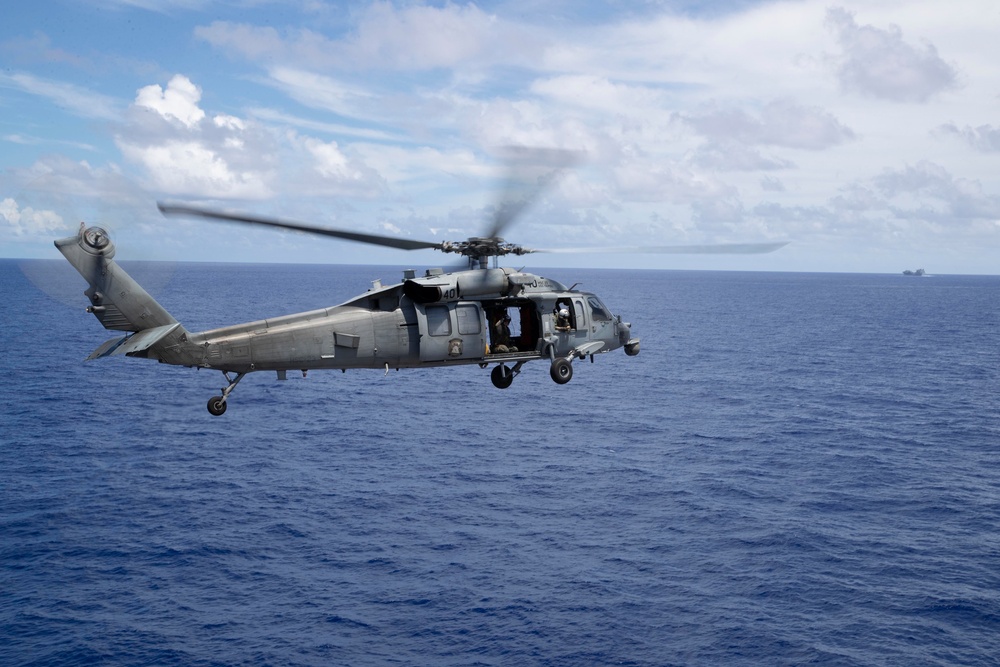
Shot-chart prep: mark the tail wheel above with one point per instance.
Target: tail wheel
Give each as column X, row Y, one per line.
column 561, row 371
column 502, row 377
column 216, row 405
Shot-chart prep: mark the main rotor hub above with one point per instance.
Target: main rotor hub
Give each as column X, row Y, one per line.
column 477, row 248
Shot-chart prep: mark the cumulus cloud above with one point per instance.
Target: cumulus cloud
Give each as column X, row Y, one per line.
column 734, row 134
column 984, row 138
column 780, row 123
column 182, row 153
column 925, row 195
column 186, row 151
column 599, row 93
column 923, row 200
column 927, row 190
column 189, row 167
column 771, row 184
column 56, row 193
column 690, row 115
column 878, row 63
column 330, row 171
column 178, row 101
column 733, row 156
column 414, row 37
column 421, row 37
column 28, row 222
column 642, row 180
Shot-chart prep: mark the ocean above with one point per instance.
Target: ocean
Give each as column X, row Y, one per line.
column 797, row 469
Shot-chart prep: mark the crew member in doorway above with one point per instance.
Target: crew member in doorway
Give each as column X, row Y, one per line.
column 562, row 319
column 502, row 342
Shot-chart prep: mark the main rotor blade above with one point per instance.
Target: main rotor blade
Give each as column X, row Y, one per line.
column 372, row 239
column 530, row 171
column 709, row 249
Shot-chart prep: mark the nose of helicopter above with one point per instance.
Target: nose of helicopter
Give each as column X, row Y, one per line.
column 630, row 344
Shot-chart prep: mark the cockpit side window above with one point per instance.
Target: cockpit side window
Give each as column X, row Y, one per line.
column 598, row 310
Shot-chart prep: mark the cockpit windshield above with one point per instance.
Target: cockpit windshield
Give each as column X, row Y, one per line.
column 598, row 309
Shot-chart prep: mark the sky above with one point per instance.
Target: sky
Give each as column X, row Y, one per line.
column 865, row 134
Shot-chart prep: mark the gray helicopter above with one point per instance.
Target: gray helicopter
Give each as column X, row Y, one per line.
column 484, row 315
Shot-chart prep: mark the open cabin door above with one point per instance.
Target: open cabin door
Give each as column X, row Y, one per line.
column 451, row 331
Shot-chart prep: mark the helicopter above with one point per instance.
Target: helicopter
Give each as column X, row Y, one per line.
column 483, row 315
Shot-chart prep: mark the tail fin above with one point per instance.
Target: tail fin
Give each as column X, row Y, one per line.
column 120, row 303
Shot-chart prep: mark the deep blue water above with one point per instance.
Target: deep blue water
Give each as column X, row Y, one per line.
column 797, row 469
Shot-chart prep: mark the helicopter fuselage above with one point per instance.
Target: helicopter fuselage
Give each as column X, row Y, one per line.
column 483, row 316
column 435, row 320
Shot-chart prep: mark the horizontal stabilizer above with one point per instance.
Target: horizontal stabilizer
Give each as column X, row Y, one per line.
column 139, row 342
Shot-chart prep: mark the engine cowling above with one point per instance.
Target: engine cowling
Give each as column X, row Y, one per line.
column 454, row 286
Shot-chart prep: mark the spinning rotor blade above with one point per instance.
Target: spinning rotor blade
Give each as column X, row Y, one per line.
column 529, row 172
column 246, row 218
column 709, row 249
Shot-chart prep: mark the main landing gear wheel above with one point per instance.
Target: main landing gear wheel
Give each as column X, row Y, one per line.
column 216, row 405
column 502, row 377
column 561, row 371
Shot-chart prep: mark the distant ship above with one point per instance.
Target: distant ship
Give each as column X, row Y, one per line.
column 918, row 272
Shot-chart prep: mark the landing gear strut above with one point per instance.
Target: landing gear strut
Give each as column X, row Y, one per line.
column 503, row 377
column 217, row 404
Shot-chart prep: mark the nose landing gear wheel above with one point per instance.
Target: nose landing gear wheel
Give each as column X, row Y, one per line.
column 502, row 377
column 561, row 371
column 216, row 405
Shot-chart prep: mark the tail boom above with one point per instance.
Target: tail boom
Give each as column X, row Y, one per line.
column 121, row 304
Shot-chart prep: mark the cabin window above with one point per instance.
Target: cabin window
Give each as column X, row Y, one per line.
column 468, row 319
column 598, row 309
column 438, row 322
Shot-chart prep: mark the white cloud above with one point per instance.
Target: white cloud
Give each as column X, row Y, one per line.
column 28, row 222
column 385, row 36
column 228, row 122
column 54, row 194
column 773, row 118
column 599, row 93
column 923, row 202
column 178, row 101
column 181, row 155
column 80, row 101
column 321, row 92
column 928, row 191
column 728, row 155
column 879, row 63
column 421, row 37
column 647, row 180
column 779, row 123
column 340, row 173
column 984, row 138
column 340, row 129
column 189, row 167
